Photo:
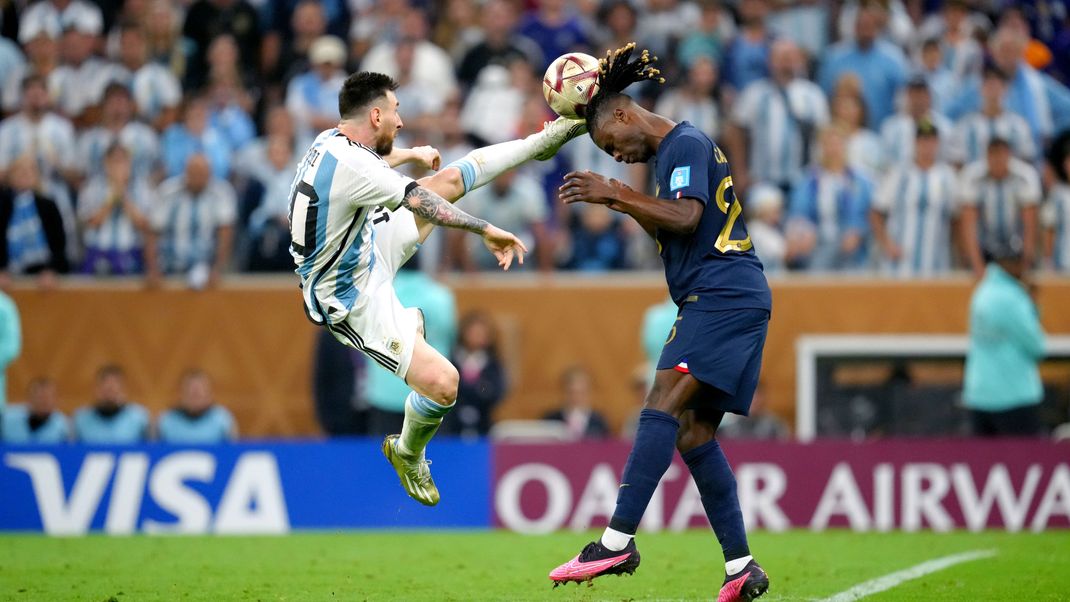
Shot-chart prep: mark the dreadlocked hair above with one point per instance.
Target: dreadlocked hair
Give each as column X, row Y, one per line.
column 615, row 73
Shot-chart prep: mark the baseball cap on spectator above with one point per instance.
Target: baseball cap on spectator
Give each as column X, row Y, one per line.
column 83, row 19
column 43, row 24
column 327, row 49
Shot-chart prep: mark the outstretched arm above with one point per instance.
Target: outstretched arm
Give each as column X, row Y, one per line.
column 426, row 157
column 680, row 216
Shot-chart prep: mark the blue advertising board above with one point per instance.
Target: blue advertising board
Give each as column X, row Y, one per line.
column 241, row 488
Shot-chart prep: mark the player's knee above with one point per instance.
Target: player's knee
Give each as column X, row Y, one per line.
column 443, row 386
column 690, row 437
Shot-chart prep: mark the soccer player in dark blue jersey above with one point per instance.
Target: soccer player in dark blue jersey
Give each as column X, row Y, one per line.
column 710, row 362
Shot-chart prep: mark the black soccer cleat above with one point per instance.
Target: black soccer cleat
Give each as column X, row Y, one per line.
column 595, row 561
column 748, row 584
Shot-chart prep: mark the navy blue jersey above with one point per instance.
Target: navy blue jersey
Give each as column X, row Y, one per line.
column 714, row 267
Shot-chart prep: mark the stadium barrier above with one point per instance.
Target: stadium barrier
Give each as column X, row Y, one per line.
column 344, row 484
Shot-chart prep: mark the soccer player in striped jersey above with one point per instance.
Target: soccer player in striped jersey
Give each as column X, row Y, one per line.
column 998, row 196
column 912, row 211
column 969, row 141
column 354, row 221
column 710, row 362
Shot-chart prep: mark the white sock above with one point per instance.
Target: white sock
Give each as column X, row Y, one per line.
column 482, row 165
column 734, row 566
column 614, row 540
column 422, row 419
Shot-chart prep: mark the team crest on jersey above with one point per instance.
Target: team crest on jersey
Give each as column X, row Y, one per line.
column 395, row 346
column 681, row 177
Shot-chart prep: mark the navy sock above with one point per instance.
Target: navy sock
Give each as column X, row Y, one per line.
column 655, row 443
column 717, row 485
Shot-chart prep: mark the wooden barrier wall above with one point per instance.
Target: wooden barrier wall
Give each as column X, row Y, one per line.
column 254, row 341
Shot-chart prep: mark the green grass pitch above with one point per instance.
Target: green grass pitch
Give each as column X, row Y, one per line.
column 467, row 566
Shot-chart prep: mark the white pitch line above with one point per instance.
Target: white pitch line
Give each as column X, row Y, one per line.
column 873, row 586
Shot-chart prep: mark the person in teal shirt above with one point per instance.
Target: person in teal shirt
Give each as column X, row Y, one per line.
column 10, row 340
column 36, row 421
column 658, row 321
column 386, row 392
column 198, row 419
column 112, row 419
column 1002, row 386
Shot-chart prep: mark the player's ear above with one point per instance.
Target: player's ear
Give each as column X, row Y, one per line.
column 619, row 114
column 376, row 115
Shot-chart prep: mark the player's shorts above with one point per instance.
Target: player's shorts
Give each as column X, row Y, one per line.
column 722, row 349
column 378, row 324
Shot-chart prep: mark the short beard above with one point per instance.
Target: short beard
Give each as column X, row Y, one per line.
column 384, row 145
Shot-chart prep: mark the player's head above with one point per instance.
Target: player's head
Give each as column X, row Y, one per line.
column 614, row 120
column 367, row 99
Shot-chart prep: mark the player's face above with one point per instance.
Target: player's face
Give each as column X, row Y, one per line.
column 622, row 140
column 389, row 124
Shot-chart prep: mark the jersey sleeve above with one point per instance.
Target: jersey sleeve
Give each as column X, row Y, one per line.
column 1030, row 192
column 969, row 186
column 689, row 172
column 369, row 181
column 886, row 192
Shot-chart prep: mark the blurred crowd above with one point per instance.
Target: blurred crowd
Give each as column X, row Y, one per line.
column 112, row 418
column 158, row 137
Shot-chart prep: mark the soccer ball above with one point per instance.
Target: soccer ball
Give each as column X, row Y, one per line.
column 570, row 82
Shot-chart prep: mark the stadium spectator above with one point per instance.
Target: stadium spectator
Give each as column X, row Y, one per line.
column 34, row 239
column 375, row 22
column 879, row 64
column 913, row 210
column 10, row 336
column 897, row 131
column 664, row 23
column 1055, row 217
column 1043, row 102
column 775, row 121
column 1002, row 387
column 164, row 37
column 494, row 106
column 894, row 22
column 36, row 421
column 192, row 226
column 581, row 420
column 40, row 43
column 693, row 101
column 746, row 59
column 555, row 28
column 499, row 46
column 596, row 240
column 765, row 206
column 198, row 419
column 828, row 211
column 943, row 83
column 806, row 23
column 954, row 27
column 155, row 88
column 62, row 13
column 386, row 392
column 483, row 384
column 864, row 149
column 312, row 97
column 761, row 424
column 515, row 202
column 36, row 129
column 710, row 38
column 195, row 135
column 113, row 208
column 999, row 196
column 11, row 59
column 432, row 68
column 230, row 94
column 338, row 377
column 286, row 45
column 252, row 161
column 269, row 224
column 208, row 19
column 117, row 125
column 81, row 77
column 972, row 132
column 112, row 419
column 616, row 24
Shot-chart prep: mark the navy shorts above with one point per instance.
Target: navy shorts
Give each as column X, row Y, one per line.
column 722, row 349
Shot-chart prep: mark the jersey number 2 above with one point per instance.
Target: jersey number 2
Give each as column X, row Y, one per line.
column 732, row 209
column 304, row 209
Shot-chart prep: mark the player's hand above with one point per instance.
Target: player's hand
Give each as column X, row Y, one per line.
column 588, row 187
column 505, row 246
column 427, row 157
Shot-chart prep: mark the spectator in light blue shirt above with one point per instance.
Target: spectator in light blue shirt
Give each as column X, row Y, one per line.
column 747, row 56
column 386, row 392
column 112, row 419
column 36, row 421
column 1002, row 386
column 195, row 135
column 880, row 65
column 198, row 419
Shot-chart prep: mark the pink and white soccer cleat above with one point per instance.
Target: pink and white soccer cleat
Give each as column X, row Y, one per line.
column 746, row 585
column 595, row 561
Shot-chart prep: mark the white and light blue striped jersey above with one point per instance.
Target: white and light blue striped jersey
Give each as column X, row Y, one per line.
column 51, row 140
column 1055, row 216
column 117, row 232
column 899, row 131
column 80, row 87
column 999, row 202
column 338, row 185
column 777, row 151
column 138, row 138
column 969, row 141
column 918, row 206
column 187, row 224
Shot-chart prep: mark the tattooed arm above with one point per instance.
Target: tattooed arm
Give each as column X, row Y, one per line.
column 427, row 205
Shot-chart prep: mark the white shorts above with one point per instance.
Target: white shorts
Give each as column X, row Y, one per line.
column 379, row 325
